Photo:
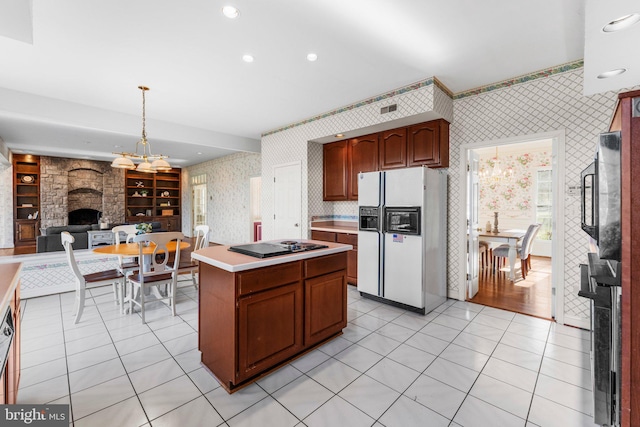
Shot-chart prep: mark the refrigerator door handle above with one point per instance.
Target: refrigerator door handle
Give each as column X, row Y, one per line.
column 381, row 264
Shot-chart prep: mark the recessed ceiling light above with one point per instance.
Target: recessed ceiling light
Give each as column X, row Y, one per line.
column 117, row 146
column 87, row 142
column 621, row 23
column 611, row 73
column 199, row 153
column 247, row 58
column 312, row 57
column 339, row 135
column 230, row 12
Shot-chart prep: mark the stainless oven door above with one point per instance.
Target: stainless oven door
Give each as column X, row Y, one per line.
column 6, row 337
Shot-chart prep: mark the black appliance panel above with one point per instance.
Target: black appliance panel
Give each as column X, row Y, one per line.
column 402, row 220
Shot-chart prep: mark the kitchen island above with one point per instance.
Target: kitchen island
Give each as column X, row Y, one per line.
column 256, row 314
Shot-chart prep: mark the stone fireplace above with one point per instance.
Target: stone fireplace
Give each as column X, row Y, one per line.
column 75, row 191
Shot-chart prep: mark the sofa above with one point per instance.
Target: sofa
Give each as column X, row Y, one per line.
column 50, row 241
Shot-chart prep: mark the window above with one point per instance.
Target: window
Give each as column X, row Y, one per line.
column 199, row 202
column 544, row 200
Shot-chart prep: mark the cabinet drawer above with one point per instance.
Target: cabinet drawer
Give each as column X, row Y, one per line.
column 269, row 277
column 347, row 239
column 326, row 264
column 325, row 236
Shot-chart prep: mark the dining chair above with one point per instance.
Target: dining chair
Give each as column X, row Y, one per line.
column 201, row 241
column 156, row 270
column 108, row 277
column 125, row 264
column 501, row 253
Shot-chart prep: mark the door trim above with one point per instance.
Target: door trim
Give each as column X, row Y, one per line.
column 557, row 251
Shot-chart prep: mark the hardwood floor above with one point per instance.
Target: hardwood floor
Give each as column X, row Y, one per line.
column 18, row 251
column 530, row 296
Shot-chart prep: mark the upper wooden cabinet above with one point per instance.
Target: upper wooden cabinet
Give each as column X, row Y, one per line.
column 362, row 157
column 428, row 144
column 424, row 144
column 393, row 149
column 334, row 171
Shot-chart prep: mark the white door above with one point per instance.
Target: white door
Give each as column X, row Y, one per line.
column 287, row 196
column 472, row 221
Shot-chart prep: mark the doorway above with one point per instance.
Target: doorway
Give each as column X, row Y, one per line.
column 287, row 196
column 198, row 201
column 519, row 179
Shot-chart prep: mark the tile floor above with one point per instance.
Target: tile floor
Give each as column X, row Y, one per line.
column 461, row 365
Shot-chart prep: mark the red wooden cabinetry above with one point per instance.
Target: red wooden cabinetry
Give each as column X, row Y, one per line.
column 424, row 144
column 393, row 149
column 252, row 321
column 334, row 171
column 428, row 144
column 363, row 157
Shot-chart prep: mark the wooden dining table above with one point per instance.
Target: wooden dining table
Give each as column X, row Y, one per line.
column 510, row 237
column 133, row 249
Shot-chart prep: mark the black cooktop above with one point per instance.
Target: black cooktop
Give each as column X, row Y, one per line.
column 265, row 250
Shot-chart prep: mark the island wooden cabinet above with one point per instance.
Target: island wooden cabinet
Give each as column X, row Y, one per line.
column 325, row 297
column 352, row 255
column 269, row 328
column 252, row 321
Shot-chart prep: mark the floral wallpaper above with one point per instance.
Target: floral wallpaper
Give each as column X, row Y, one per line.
column 513, row 193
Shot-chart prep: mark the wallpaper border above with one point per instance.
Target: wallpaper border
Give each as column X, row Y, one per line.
column 547, row 72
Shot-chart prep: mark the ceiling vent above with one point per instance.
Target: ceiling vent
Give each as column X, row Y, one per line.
column 389, row 109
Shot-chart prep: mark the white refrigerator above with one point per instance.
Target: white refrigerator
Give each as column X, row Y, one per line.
column 402, row 240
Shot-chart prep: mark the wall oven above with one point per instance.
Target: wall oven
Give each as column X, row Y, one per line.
column 601, row 278
column 6, row 337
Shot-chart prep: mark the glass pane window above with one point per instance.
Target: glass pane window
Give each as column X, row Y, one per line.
column 544, row 202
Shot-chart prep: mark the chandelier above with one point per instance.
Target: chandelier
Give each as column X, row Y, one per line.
column 496, row 172
column 158, row 162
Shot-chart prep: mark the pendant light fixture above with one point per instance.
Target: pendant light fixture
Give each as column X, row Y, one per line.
column 151, row 163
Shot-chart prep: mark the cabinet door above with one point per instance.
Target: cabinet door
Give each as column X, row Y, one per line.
column 26, row 231
column 269, row 329
column 352, row 256
column 428, row 144
column 363, row 157
column 334, row 173
column 393, row 149
column 325, row 306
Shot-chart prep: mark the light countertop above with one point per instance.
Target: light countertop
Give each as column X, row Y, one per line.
column 335, row 226
column 221, row 257
column 11, row 274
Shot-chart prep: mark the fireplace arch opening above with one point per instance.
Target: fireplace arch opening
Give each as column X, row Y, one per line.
column 84, row 216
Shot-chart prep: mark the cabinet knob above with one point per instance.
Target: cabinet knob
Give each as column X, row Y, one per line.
column 296, row 225
column 7, row 332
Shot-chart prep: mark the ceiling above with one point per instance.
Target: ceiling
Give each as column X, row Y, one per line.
column 71, row 68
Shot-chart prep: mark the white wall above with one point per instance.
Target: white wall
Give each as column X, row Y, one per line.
column 228, row 196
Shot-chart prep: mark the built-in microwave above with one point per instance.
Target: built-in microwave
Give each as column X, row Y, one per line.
column 402, row 220
column 600, row 208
